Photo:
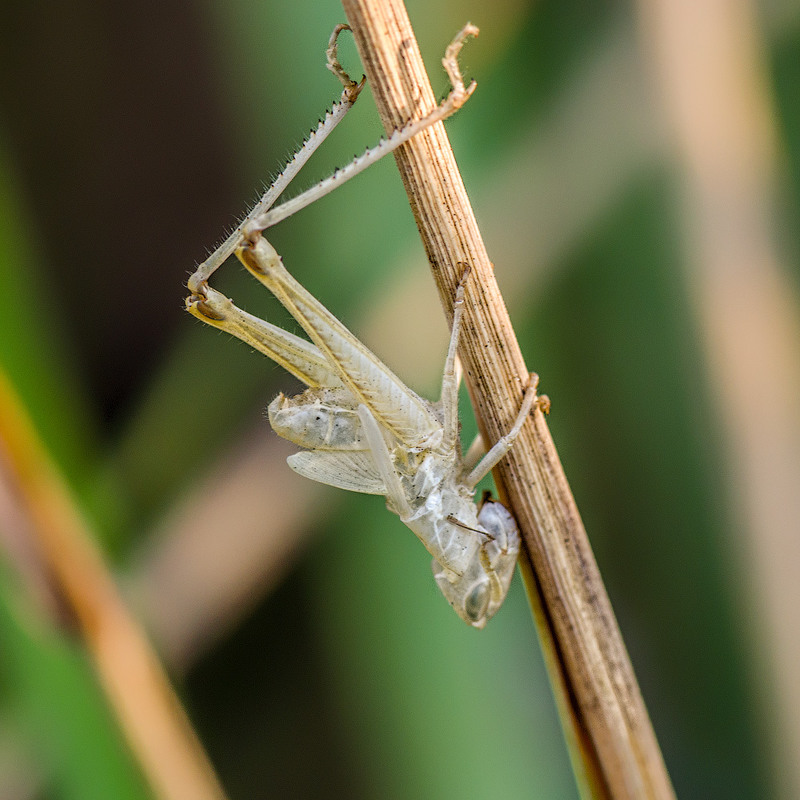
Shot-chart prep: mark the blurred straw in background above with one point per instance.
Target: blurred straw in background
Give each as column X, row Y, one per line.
column 708, row 59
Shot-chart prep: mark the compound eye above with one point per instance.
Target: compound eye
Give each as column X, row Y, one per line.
column 476, row 602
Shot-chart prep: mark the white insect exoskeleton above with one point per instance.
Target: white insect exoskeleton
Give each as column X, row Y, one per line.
column 362, row 428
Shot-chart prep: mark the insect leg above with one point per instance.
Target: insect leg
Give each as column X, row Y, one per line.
column 459, row 95
column 451, row 377
column 383, row 463
column 299, row 357
column 490, row 460
column 396, row 406
column 332, row 118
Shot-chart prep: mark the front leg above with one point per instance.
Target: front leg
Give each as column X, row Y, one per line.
column 451, row 377
column 494, row 456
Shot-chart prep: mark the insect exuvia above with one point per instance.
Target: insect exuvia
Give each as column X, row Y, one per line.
column 361, row 427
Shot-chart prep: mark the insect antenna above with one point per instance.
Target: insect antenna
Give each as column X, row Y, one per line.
column 455, row 521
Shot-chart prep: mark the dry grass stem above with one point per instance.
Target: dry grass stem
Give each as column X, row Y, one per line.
column 607, row 721
column 712, row 76
column 148, row 711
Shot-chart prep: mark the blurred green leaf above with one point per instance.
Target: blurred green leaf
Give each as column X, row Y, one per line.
column 435, row 708
column 49, row 689
column 35, row 349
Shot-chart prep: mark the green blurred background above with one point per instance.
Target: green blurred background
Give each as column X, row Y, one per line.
column 300, row 625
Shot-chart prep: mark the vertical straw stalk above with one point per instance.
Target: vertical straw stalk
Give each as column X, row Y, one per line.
column 614, row 749
column 149, row 713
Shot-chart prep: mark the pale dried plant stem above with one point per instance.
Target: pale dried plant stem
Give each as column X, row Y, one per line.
column 606, row 720
column 149, row 713
column 709, row 61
